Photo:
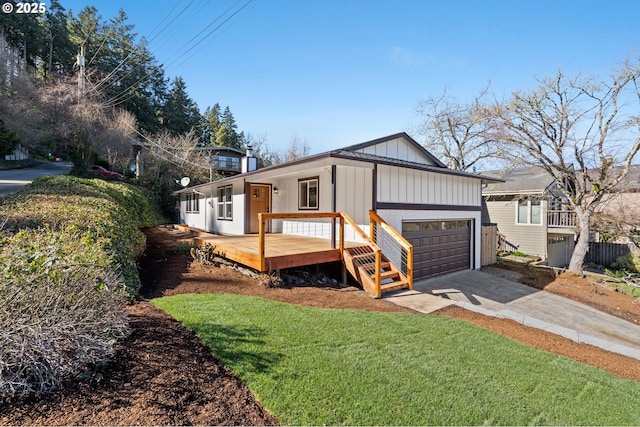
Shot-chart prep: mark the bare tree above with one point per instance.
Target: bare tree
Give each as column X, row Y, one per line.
column 583, row 132
column 298, row 148
column 456, row 133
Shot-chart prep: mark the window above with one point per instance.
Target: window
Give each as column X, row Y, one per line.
column 308, row 193
column 193, row 203
column 225, row 202
column 555, row 240
column 529, row 212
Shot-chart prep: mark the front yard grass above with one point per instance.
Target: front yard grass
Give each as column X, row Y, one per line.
column 313, row 366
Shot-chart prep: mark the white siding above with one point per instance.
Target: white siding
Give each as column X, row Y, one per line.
column 193, row 219
column 354, row 192
column 402, row 185
column 398, row 149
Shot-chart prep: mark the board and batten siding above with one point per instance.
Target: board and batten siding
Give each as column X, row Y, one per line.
column 402, row 185
column 397, row 148
column 530, row 239
column 354, row 193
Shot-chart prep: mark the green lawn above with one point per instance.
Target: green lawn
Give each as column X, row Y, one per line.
column 312, row 366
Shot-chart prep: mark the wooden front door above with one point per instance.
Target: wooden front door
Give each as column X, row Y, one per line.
column 259, row 202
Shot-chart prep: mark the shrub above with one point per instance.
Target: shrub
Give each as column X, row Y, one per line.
column 629, row 262
column 59, row 314
column 67, row 268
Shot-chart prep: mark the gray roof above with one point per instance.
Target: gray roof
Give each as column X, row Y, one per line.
column 518, row 181
column 349, row 153
column 536, row 180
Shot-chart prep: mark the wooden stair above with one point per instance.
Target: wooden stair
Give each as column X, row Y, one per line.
column 361, row 263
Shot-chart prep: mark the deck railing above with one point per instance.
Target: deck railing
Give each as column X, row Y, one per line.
column 340, row 222
column 561, row 219
column 263, row 218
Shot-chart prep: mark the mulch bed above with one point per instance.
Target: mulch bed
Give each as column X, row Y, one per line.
column 164, row 375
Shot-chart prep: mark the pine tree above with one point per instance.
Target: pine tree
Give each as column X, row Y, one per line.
column 59, row 51
column 210, row 124
column 8, row 140
column 180, row 113
column 227, row 134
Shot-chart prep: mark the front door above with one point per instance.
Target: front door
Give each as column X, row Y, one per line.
column 259, row 202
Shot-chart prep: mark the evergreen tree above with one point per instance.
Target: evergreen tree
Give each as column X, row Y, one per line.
column 227, row 134
column 121, row 71
column 180, row 113
column 210, row 124
column 8, row 140
column 24, row 32
column 58, row 49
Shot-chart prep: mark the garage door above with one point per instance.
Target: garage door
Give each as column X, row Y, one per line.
column 439, row 247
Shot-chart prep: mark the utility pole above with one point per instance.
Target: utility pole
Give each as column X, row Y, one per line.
column 81, row 72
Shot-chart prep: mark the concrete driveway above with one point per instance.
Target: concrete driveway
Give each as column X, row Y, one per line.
column 497, row 296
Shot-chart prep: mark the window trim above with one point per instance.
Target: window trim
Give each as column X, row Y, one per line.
column 302, row 181
column 193, row 203
column 224, row 202
column 529, row 212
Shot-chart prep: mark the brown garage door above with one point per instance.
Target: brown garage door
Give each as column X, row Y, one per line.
column 439, row 247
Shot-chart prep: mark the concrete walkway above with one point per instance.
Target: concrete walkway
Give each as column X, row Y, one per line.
column 496, row 296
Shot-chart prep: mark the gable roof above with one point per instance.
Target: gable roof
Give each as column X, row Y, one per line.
column 353, row 152
column 398, row 135
column 527, row 180
column 535, row 179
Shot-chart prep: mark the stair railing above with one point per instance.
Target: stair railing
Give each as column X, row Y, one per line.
column 388, row 237
column 377, row 251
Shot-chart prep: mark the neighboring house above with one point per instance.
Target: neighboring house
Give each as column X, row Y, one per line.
column 20, row 153
column 225, row 160
column 530, row 214
column 435, row 208
column 618, row 215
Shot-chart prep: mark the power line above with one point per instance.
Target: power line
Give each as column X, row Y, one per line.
column 123, row 96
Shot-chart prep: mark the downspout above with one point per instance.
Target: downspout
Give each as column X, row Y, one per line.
column 374, row 188
column 334, row 203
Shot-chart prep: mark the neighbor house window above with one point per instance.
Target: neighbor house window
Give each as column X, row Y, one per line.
column 529, row 212
column 225, row 202
column 193, row 203
column 308, row 193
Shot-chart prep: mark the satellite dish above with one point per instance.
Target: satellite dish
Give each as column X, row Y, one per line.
column 185, row 181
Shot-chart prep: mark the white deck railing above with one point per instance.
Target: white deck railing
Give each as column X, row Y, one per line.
column 561, row 219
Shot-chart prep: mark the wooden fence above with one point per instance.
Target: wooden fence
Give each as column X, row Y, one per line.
column 606, row 253
column 489, row 240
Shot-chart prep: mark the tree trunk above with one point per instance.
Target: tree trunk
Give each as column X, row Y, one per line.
column 582, row 244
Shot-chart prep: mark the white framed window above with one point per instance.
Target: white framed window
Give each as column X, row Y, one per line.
column 193, row 203
column 529, row 212
column 225, row 202
column 308, row 193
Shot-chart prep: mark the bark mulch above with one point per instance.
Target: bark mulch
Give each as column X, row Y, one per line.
column 163, row 374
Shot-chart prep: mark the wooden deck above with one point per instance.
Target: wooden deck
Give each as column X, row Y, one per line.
column 268, row 252
column 281, row 250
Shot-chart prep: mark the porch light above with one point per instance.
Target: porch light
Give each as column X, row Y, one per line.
column 275, row 190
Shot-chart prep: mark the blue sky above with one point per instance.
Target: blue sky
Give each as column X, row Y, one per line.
column 340, row 72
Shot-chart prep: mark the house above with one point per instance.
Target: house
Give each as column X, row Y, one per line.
column 20, row 153
column 224, row 160
column 436, row 209
column 530, row 214
column 618, row 215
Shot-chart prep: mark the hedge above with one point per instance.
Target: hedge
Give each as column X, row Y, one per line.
column 68, row 249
